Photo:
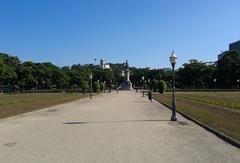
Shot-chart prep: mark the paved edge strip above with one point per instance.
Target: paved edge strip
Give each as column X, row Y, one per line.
column 215, row 132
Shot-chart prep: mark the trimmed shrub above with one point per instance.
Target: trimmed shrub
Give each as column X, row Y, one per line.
column 96, row 87
column 102, row 86
column 162, row 86
column 84, row 86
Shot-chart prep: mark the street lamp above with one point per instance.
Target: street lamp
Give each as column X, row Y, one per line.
column 143, row 85
column 110, row 86
column 116, row 87
column 149, row 90
column 149, row 84
column 90, row 77
column 36, row 86
column 238, row 83
column 215, row 80
column 43, row 82
column 173, row 60
column 137, row 87
column 98, row 82
column 104, row 86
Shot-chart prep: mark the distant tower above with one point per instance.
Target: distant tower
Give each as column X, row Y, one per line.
column 102, row 63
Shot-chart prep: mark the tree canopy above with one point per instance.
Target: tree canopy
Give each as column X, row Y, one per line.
column 194, row 74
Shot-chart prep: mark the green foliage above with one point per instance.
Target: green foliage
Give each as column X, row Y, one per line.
column 195, row 74
column 155, row 85
column 162, row 86
column 74, row 77
column 84, row 86
column 7, row 72
column 96, row 87
column 113, row 86
column 102, row 86
column 229, row 69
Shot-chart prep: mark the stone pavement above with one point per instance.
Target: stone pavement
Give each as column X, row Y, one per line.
column 111, row 128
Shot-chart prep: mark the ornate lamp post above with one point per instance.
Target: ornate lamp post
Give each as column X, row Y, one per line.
column 98, row 83
column 43, row 82
column 110, row 87
column 238, row 80
column 173, row 60
column 137, row 87
column 104, row 86
column 36, row 86
column 143, row 85
column 90, row 77
column 215, row 80
column 149, row 90
column 149, row 83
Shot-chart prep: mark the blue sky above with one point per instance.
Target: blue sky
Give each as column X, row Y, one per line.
column 145, row 32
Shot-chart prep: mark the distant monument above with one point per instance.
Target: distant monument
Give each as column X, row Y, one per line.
column 126, row 84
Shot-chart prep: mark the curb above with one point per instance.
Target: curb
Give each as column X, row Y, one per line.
column 215, row 132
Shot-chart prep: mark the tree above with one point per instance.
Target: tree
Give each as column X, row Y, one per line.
column 195, row 74
column 228, row 69
column 162, row 86
column 8, row 67
column 74, row 77
column 56, row 77
column 155, row 85
column 191, row 75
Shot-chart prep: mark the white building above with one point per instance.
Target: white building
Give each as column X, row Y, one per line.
column 104, row 65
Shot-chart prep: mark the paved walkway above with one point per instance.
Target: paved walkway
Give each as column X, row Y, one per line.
column 113, row 128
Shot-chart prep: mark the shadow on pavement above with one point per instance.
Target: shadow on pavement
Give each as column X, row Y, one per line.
column 75, row 123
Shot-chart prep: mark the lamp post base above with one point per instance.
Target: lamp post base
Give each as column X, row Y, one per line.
column 173, row 118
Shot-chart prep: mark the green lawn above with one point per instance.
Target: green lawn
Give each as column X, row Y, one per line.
column 219, row 110
column 226, row 99
column 15, row 104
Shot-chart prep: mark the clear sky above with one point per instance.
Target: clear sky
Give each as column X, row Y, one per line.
column 145, row 32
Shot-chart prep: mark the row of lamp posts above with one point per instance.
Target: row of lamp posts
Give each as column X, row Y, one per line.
column 144, row 85
column 173, row 61
column 215, row 80
column 91, row 77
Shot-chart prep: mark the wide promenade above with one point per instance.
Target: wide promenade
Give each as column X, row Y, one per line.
column 111, row 128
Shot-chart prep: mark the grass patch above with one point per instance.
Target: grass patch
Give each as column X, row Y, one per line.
column 226, row 99
column 205, row 108
column 15, row 104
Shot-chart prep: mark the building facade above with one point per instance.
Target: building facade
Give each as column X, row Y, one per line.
column 234, row 46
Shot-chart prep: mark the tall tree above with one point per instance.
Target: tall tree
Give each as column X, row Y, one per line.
column 229, row 69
